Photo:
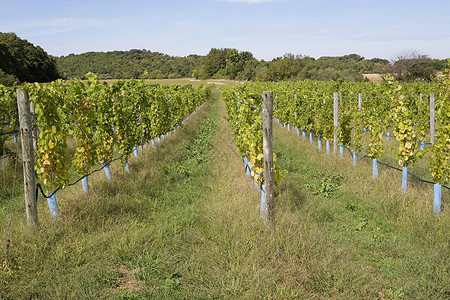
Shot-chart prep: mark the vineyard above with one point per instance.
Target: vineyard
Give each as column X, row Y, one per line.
column 378, row 110
column 99, row 120
column 181, row 221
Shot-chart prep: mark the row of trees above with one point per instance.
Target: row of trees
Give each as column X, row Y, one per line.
column 127, row 65
column 242, row 65
column 21, row 61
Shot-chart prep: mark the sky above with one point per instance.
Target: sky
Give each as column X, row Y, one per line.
column 267, row 28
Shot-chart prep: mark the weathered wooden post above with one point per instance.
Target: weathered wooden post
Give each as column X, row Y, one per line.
column 267, row 111
column 23, row 104
column 432, row 118
column 359, row 101
column 35, row 131
column 335, row 120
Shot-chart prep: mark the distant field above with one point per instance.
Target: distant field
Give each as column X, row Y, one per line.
column 373, row 77
column 184, row 81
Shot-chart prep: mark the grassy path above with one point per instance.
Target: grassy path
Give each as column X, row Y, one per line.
column 127, row 239
column 372, row 241
column 185, row 225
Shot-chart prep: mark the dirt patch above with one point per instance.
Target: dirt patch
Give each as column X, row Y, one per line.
column 373, row 77
column 129, row 283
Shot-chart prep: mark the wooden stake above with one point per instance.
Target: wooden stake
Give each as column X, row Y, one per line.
column 432, row 118
column 35, row 131
column 335, row 120
column 267, row 111
column 359, row 101
column 23, row 104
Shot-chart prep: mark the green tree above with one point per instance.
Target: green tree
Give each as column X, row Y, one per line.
column 282, row 69
column 22, row 60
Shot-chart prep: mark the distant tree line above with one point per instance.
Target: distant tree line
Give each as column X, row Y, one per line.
column 232, row 64
column 127, row 65
column 21, row 61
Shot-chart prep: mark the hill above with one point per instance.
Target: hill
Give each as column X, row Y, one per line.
column 128, row 64
column 21, row 61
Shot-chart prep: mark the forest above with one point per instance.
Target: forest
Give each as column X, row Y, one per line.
column 21, row 61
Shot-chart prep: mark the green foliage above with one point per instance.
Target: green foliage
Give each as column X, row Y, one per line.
column 244, row 113
column 51, row 164
column 404, row 126
column 282, row 69
column 22, row 61
column 89, row 112
column 79, row 103
column 440, row 159
column 325, row 185
column 227, row 63
column 223, row 63
column 412, row 66
column 128, row 64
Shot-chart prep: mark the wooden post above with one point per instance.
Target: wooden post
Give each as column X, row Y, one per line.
column 35, row 131
column 432, row 118
column 23, row 104
column 359, row 101
column 140, row 122
column 335, row 120
column 267, row 111
column 295, row 98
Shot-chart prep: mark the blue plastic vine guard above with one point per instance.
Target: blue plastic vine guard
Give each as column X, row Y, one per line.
column 375, row 168
column 263, row 201
column 437, row 195
column 107, row 172
column 341, row 151
column 127, row 167
column 404, row 179
column 319, row 143
column 355, row 158
column 135, row 152
column 85, row 184
column 53, row 206
column 327, row 145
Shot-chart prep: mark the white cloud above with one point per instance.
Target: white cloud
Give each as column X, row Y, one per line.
column 59, row 25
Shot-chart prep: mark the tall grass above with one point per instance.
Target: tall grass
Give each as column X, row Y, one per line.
column 185, row 225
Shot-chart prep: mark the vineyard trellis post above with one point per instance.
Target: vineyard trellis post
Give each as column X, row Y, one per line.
column 335, row 120
column 35, row 131
column 267, row 111
column 23, row 104
column 432, row 118
column 359, row 101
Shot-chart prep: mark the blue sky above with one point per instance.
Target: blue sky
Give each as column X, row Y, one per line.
column 267, row 28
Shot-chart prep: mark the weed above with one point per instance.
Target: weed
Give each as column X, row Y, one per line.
column 325, row 186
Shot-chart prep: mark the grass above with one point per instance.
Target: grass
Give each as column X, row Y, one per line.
column 385, row 245
column 185, row 225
